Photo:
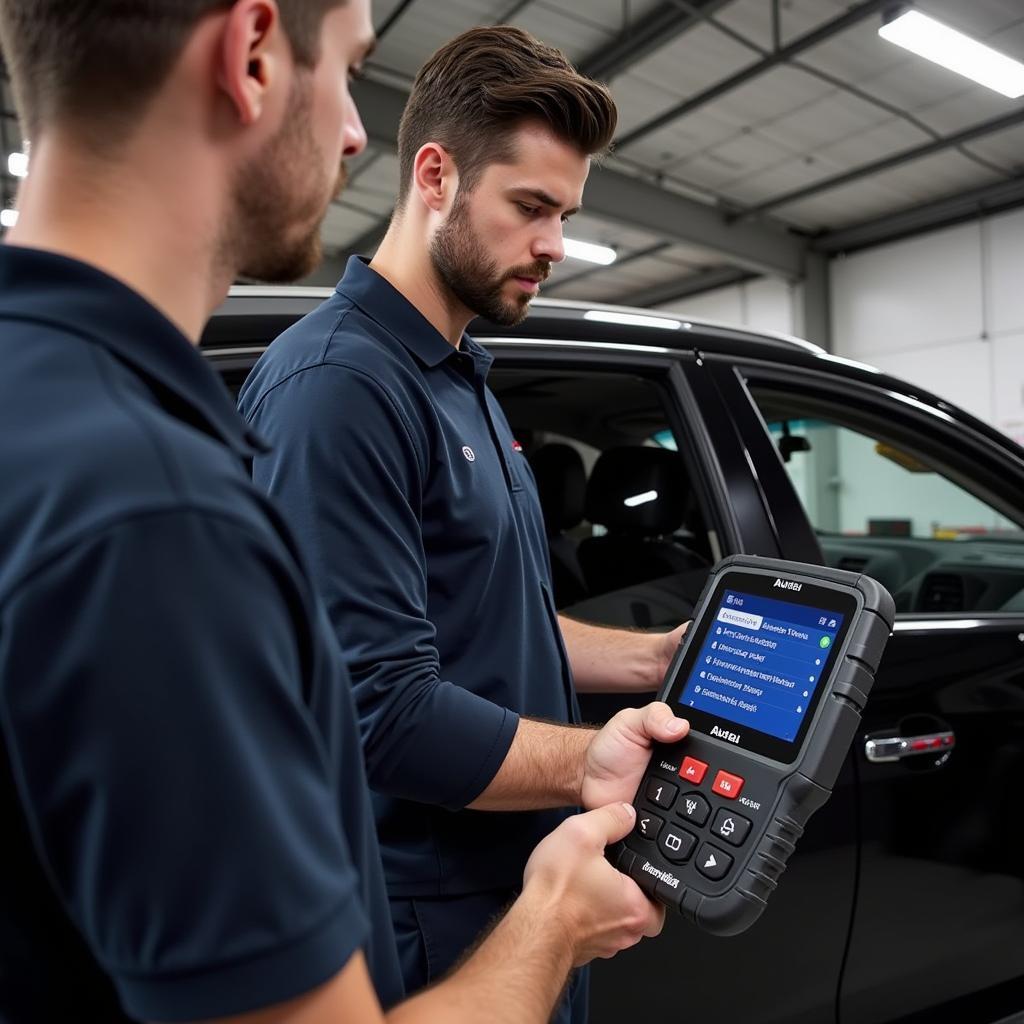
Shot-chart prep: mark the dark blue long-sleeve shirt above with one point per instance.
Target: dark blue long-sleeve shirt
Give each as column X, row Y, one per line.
column 395, row 466
column 187, row 826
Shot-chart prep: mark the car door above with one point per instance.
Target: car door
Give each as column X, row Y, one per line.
column 917, row 495
column 786, row 968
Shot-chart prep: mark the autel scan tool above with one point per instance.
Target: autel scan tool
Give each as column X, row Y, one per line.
column 773, row 675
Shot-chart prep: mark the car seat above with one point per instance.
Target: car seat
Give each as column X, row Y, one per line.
column 640, row 496
column 561, row 484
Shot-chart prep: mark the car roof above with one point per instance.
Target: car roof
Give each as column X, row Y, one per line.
column 541, row 307
column 253, row 315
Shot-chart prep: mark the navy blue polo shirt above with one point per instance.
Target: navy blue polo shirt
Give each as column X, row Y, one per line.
column 187, row 825
column 398, row 472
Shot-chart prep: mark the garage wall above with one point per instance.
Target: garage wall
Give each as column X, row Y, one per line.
column 945, row 310
column 765, row 304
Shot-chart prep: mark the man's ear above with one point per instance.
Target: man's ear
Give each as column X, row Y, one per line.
column 434, row 177
column 248, row 62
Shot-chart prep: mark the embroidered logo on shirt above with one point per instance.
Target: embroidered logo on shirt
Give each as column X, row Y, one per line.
column 516, row 446
column 469, row 453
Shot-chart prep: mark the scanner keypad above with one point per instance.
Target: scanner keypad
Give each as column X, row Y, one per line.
column 648, row 826
column 676, row 844
column 694, row 808
column 706, row 811
column 661, row 793
column 730, row 826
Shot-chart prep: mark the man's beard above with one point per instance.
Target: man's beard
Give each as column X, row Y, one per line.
column 472, row 275
column 281, row 200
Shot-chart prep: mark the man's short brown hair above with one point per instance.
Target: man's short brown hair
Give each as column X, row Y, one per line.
column 476, row 90
column 95, row 65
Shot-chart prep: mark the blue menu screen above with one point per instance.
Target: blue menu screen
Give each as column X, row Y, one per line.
column 761, row 662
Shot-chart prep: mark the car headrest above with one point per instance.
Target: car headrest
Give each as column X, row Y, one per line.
column 637, row 489
column 561, row 483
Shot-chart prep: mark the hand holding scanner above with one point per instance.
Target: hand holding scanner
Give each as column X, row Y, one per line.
column 773, row 675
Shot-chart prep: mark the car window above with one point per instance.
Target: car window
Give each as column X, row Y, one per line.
column 879, row 505
column 854, row 484
column 620, row 502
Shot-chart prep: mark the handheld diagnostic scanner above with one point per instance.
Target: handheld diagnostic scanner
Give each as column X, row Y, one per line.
column 773, row 675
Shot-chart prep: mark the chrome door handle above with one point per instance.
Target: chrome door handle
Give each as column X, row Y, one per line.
column 879, row 749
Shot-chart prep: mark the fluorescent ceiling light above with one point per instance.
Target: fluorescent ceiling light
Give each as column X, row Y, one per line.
column 936, row 42
column 17, row 164
column 588, row 251
column 8, row 218
column 606, row 316
column 641, row 499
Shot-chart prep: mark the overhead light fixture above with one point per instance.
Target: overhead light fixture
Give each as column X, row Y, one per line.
column 8, row 218
column 607, row 316
column 602, row 254
column 951, row 49
column 17, row 164
column 641, row 499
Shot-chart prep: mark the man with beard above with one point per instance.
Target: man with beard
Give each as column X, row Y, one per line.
column 396, row 467
column 189, row 833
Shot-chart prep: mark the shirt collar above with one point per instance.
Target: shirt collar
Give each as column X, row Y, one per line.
column 384, row 303
column 48, row 288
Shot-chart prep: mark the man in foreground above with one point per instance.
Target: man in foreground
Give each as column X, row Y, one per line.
column 189, row 829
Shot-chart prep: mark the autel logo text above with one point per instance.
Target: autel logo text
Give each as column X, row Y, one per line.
column 788, row 585
column 723, row 734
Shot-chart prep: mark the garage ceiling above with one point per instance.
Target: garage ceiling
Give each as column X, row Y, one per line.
column 747, row 127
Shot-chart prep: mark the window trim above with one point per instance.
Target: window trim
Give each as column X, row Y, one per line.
column 910, row 418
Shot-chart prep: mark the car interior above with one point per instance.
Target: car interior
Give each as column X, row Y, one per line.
column 871, row 491
column 629, row 541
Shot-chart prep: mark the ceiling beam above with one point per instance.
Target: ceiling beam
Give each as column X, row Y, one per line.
column 635, row 203
column 952, row 209
column 831, row 28
column 623, row 199
column 392, row 18
column 656, row 30
column 684, row 286
column 510, row 12
column 996, row 124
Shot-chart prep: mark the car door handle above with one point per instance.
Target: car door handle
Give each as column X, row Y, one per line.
column 880, row 748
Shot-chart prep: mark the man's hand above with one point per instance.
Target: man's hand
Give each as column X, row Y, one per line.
column 666, row 645
column 601, row 910
column 574, row 907
column 619, row 753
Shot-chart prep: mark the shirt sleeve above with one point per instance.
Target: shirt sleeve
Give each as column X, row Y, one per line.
column 176, row 786
column 348, row 475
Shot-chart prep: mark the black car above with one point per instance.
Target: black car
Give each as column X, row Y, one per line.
column 661, row 445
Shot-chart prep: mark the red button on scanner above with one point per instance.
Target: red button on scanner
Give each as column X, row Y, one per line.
column 692, row 770
column 727, row 785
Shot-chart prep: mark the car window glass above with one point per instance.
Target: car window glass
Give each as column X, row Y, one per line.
column 881, row 508
column 627, row 534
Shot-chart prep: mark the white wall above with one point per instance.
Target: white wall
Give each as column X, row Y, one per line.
column 766, row 304
column 945, row 310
